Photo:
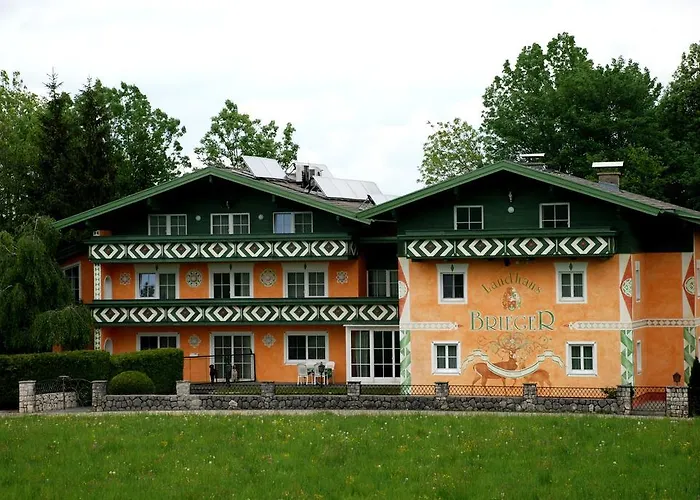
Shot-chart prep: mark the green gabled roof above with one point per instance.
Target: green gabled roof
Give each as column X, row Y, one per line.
column 626, row 199
column 260, row 185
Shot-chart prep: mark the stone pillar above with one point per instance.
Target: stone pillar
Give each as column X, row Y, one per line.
column 677, row 402
column 99, row 391
column 27, row 396
column 624, row 399
column 182, row 387
column 442, row 389
column 267, row 389
column 354, row 389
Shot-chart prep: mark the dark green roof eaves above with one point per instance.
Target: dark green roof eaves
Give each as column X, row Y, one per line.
column 199, row 174
column 516, row 169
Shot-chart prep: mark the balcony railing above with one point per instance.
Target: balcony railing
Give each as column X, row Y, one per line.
column 221, row 248
column 514, row 244
column 360, row 310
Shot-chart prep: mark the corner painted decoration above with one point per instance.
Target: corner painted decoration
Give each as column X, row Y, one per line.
column 194, row 341
column 268, row 278
column 125, row 279
column 194, row 278
column 341, row 277
column 268, row 340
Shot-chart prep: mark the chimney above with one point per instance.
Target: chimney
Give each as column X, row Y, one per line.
column 305, row 177
column 534, row 160
column 608, row 174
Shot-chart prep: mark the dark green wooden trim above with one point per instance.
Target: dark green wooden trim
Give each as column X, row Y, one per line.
column 506, row 166
column 193, row 238
column 198, row 260
column 309, row 324
column 377, row 239
column 496, row 233
column 319, row 301
column 199, row 174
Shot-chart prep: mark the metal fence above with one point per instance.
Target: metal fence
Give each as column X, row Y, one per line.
column 648, row 400
column 499, row 391
column 397, row 390
column 234, row 367
column 577, row 392
column 222, row 388
column 65, row 386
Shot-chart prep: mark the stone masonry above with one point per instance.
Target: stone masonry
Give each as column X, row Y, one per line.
column 677, row 402
column 27, row 396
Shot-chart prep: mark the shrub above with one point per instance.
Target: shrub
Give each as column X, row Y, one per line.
column 88, row 365
column 694, row 388
column 163, row 366
column 131, row 382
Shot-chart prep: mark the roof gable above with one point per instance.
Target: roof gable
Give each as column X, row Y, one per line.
column 264, row 186
column 626, row 199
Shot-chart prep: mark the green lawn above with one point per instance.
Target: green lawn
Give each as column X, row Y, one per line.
column 331, row 456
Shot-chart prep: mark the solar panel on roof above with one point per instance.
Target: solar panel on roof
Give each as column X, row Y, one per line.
column 381, row 198
column 346, row 188
column 264, row 168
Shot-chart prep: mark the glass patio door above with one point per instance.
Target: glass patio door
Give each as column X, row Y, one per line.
column 236, row 349
column 375, row 356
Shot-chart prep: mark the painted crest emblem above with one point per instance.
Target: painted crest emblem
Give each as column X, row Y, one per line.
column 511, row 299
column 193, row 278
column 689, row 285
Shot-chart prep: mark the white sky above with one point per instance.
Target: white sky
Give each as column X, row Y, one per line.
column 359, row 80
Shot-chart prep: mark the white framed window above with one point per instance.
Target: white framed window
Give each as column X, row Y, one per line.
column 72, row 273
column 228, row 281
column 469, row 217
column 452, row 283
column 382, row 283
column 554, row 215
column 302, row 347
column 637, row 281
column 147, row 341
column 293, row 222
column 581, row 358
column 233, row 350
column 167, row 224
column 234, row 223
column 373, row 354
column 305, row 280
column 639, row 356
column 446, row 356
column 571, row 282
column 157, row 282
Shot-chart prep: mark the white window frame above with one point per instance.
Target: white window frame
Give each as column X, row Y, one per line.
column 156, row 269
column 387, row 279
column 158, row 334
column 168, row 221
column 348, row 354
column 80, row 277
column 581, row 373
column 568, row 209
column 445, row 371
column 230, row 221
column 306, row 269
column 294, row 214
column 572, row 267
column 637, row 281
column 230, row 269
column 295, row 362
column 452, row 269
column 468, row 222
column 638, row 356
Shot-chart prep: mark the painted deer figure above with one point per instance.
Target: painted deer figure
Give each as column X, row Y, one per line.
column 540, row 377
column 483, row 373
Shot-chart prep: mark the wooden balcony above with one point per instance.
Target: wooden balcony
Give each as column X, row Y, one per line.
column 358, row 311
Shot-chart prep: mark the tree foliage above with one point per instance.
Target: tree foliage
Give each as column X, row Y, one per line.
column 452, row 149
column 37, row 308
column 557, row 102
column 234, row 134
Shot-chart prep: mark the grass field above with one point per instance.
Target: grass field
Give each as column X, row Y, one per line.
column 331, row 456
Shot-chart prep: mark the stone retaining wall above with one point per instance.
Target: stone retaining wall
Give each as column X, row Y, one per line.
column 55, row 401
column 621, row 404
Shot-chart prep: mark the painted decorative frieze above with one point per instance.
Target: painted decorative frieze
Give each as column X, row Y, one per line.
column 510, row 247
column 218, row 250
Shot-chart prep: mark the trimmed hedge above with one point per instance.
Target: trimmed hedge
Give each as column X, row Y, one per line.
column 88, row 365
column 163, row 366
column 131, row 382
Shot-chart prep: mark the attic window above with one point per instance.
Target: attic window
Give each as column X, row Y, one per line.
column 554, row 215
column 293, row 222
column 167, row 225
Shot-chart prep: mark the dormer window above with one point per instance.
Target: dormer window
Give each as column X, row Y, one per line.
column 230, row 223
column 293, row 222
column 554, row 215
column 167, row 225
column 469, row 217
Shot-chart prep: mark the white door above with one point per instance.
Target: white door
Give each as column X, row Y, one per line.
column 236, row 349
column 374, row 356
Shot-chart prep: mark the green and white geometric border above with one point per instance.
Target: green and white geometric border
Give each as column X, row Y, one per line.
column 405, row 352
column 626, row 357
column 689, row 353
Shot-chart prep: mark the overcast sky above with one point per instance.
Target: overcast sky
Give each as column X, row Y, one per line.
column 359, row 80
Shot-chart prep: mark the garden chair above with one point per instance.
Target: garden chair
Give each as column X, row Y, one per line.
column 320, row 373
column 330, row 367
column 302, row 374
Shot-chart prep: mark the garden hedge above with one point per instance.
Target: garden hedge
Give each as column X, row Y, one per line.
column 88, row 365
column 131, row 382
column 163, row 366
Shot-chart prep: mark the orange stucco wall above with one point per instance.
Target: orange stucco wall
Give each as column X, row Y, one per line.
column 602, row 305
column 269, row 361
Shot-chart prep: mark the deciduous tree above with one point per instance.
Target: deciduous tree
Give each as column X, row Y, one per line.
column 452, row 149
